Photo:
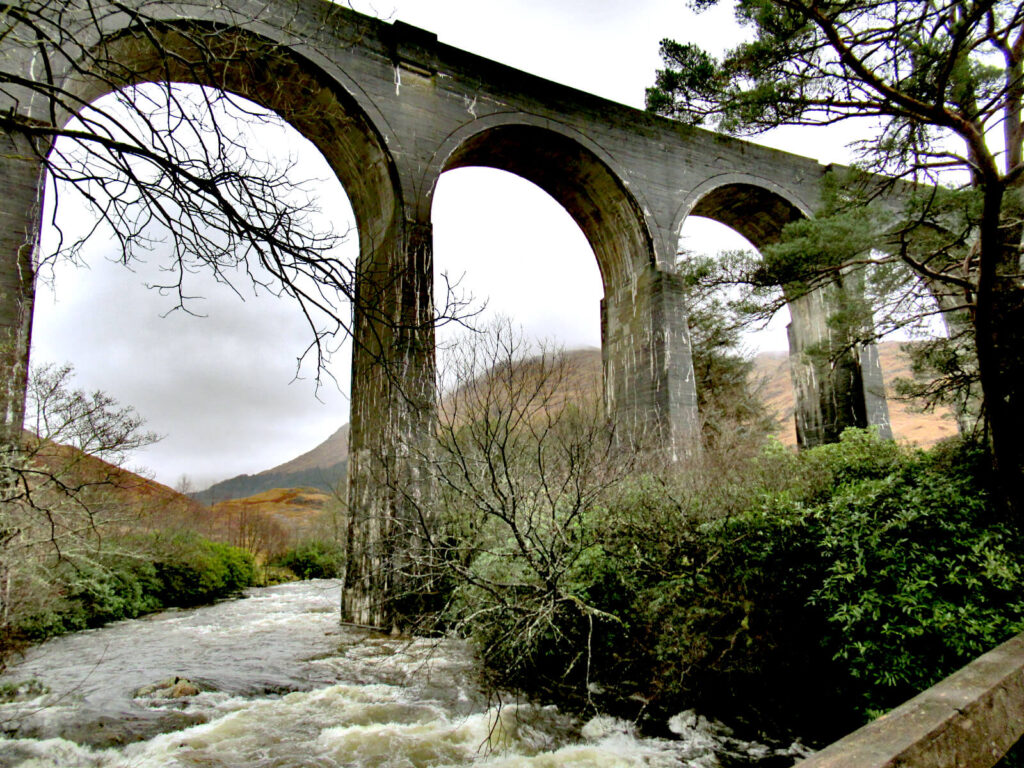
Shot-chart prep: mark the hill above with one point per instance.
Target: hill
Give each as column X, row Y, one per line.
column 288, row 513
column 322, row 469
column 140, row 501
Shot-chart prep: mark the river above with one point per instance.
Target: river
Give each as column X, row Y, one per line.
column 282, row 685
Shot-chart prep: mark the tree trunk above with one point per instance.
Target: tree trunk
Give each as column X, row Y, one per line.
column 999, row 337
column 1000, row 340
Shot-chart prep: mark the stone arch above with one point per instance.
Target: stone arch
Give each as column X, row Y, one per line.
column 113, row 54
column 271, row 74
column 573, row 171
column 757, row 208
column 393, row 342
column 648, row 373
column 844, row 390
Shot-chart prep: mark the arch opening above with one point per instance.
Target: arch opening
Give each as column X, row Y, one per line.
column 836, row 378
column 214, row 371
column 754, row 395
column 756, row 213
column 579, row 181
column 504, row 241
column 258, row 78
column 645, row 363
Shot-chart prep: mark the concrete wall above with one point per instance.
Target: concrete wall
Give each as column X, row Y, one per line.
column 969, row 720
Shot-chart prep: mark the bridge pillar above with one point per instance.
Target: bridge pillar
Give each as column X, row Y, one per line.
column 968, row 403
column 837, row 383
column 391, row 420
column 650, row 391
column 22, row 172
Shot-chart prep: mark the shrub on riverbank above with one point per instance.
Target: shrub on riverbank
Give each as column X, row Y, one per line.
column 815, row 592
column 314, row 559
column 143, row 574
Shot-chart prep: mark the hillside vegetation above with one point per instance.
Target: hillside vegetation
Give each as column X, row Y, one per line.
column 87, row 541
column 320, row 473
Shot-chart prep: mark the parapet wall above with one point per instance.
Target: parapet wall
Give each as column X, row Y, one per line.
column 969, row 720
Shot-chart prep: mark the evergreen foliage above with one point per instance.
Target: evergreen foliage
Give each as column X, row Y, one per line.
column 940, row 83
column 315, row 559
column 156, row 572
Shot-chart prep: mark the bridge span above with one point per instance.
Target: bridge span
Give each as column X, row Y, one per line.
column 392, row 108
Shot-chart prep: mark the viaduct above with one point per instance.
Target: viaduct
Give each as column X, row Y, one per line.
column 392, row 108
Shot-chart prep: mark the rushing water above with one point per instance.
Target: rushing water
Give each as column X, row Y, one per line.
column 283, row 686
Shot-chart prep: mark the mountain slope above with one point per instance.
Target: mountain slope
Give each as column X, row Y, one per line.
column 324, row 466
column 329, row 453
column 142, row 503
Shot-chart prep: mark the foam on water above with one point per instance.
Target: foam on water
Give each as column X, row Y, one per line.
column 355, row 700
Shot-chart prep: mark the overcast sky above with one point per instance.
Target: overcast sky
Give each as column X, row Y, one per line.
column 222, row 388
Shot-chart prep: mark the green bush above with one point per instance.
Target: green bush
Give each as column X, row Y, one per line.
column 314, row 559
column 193, row 570
column 918, row 579
column 148, row 574
column 830, row 586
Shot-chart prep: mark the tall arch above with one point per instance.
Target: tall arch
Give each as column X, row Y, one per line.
column 578, row 179
column 393, row 353
column 648, row 373
column 842, row 389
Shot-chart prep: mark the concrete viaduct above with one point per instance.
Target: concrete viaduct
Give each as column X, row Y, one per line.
column 392, row 108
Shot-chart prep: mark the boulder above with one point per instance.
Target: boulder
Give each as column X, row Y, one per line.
column 169, row 688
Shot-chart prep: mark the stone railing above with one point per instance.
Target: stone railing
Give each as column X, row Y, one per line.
column 969, row 720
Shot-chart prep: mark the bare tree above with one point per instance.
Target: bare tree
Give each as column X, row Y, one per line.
column 168, row 168
column 521, row 461
column 64, row 494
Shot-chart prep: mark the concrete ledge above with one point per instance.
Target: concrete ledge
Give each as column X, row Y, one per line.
column 969, row 720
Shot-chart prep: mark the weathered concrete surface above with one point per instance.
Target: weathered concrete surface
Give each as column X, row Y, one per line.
column 393, row 362
column 22, row 177
column 969, row 720
column 837, row 381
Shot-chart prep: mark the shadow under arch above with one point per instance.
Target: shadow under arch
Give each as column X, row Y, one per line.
column 582, row 183
column 838, row 382
column 756, row 208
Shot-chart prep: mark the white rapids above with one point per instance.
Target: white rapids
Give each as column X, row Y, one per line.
column 285, row 687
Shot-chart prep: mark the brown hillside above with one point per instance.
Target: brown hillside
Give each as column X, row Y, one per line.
column 294, row 511
column 923, row 429
column 773, row 367
column 149, row 504
column 327, row 454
